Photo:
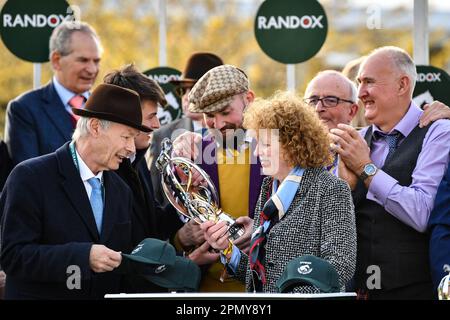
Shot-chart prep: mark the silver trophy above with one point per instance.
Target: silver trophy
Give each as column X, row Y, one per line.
column 444, row 285
column 193, row 202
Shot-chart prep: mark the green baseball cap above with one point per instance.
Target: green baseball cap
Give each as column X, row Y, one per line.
column 309, row 270
column 184, row 275
column 152, row 251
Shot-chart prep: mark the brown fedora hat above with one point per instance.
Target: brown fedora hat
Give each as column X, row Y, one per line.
column 116, row 104
column 198, row 64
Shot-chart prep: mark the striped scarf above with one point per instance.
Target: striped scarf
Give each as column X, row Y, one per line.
column 273, row 211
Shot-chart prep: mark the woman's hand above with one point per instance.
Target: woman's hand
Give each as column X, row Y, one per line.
column 216, row 234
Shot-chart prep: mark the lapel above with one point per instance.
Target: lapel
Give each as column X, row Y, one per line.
column 74, row 188
column 56, row 112
column 135, row 176
column 109, row 216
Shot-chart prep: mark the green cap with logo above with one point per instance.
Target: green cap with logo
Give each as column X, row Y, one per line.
column 157, row 262
column 184, row 275
column 152, row 251
column 309, row 270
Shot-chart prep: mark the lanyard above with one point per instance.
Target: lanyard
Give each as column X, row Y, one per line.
column 74, row 155
column 75, row 162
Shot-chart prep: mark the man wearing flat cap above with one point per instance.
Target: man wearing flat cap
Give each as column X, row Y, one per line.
column 65, row 217
column 197, row 65
column 226, row 155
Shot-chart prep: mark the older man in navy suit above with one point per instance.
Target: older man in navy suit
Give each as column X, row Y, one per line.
column 40, row 121
column 65, row 217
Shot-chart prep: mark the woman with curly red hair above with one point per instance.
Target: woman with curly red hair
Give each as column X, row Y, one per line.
column 302, row 208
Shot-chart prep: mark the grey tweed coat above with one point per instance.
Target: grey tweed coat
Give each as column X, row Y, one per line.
column 320, row 221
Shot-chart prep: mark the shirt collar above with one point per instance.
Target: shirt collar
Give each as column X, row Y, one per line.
column 406, row 124
column 85, row 172
column 65, row 94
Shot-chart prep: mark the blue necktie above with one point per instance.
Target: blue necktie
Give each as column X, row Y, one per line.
column 96, row 201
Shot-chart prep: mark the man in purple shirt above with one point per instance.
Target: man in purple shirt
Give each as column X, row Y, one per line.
column 395, row 167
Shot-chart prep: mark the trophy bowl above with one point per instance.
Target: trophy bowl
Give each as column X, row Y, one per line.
column 199, row 203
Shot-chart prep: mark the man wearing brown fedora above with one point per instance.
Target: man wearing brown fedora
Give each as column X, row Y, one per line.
column 65, row 217
column 149, row 218
column 225, row 153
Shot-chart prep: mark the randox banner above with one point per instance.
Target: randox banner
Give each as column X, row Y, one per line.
column 163, row 75
column 432, row 84
column 291, row 31
column 26, row 26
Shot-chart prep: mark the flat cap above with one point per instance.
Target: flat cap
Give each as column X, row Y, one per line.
column 216, row 89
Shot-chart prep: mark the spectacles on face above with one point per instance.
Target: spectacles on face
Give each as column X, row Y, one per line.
column 327, row 102
column 181, row 91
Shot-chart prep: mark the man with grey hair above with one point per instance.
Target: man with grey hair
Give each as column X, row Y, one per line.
column 40, row 121
column 335, row 100
column 65, row 218
column 394, row 167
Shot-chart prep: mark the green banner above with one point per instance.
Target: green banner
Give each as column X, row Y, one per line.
column 26, row 26
column 432, row 84
column 291, row 31
column 173, row 109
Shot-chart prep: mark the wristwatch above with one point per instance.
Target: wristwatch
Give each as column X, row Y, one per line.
column 369, row 170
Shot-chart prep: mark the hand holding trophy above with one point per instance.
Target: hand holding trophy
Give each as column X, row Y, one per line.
column 199, row 203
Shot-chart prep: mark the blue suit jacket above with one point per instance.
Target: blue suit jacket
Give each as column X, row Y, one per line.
column 36, row 124
column 48, row 225
column 439, row 225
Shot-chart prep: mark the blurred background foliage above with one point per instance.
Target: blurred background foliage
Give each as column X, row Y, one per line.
column 129, row 33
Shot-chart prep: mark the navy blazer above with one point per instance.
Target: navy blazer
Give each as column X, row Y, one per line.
column 48, row 225
column 36, row 123
column 439, row 225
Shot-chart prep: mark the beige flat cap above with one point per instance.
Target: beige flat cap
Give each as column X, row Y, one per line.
column 216, row 89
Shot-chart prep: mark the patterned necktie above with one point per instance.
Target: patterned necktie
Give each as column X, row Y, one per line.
column 96, row 201
column 76, row 102
column 392, row 142
column 257, row 251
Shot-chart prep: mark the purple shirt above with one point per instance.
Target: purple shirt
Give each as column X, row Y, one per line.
column 412, row 204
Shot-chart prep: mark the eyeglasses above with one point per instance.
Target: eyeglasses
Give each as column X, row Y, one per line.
column 181, row 91
column 327, row 102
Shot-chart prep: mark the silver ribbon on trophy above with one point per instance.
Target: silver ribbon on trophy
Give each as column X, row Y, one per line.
column 444, row 285
column 199, row 203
